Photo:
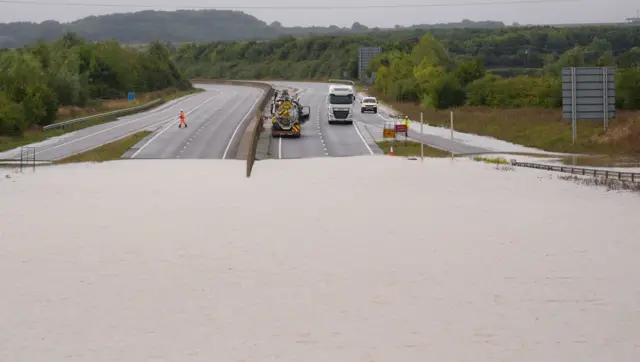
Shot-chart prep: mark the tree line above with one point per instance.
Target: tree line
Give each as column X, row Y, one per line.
column 498, row 67
column 429, row 75
column 180, row 26
column 507, row 51
column 35, row 81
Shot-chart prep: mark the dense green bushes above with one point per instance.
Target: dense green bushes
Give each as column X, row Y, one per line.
column 286, row 57
column 437, row 67
column 35, row 81
column 505, row 50
column 427, row 74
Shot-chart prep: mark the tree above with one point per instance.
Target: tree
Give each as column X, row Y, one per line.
column 36, row 80
column 629, row 59
column 431, row 51
column 357, row 27
column 467, row 72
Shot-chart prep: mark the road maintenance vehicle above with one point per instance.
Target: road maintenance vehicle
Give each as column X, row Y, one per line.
column 287, row 116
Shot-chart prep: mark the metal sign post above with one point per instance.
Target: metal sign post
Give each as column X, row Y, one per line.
column 605, row 96
column 573, row 105
column 421, row 134
column 451, row 125
column 451, row 116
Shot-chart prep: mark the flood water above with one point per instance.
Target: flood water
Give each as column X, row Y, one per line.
column 603, row 161
column 341, row 259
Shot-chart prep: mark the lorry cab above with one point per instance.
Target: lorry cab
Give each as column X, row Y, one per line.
column 340, row 103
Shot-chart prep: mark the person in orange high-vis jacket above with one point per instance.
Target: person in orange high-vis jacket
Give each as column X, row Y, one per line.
column 182, row 121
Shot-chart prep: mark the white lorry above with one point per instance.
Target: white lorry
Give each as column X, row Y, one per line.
column 340, row 103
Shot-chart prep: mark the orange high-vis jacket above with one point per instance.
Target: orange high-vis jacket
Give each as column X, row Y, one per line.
column 182, row 116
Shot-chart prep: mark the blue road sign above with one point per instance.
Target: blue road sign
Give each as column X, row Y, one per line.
column 131, row 96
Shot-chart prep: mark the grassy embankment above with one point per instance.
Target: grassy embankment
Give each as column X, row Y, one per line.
column 108, row 152
column 66, row 113
column 539, row 128
column 492, row 160
column 411, row 148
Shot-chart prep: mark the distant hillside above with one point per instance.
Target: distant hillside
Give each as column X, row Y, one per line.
column 181, row 26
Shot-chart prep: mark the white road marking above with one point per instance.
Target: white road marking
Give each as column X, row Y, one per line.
column 362, row 138
column 280, row 148
column 170, row 121
column 100, row 145
column 114, row 127
column 224, row 155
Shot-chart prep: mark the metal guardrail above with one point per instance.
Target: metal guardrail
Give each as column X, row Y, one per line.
column 626, row 176
column 119, row 112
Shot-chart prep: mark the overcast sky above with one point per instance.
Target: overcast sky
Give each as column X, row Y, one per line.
column 550, row 12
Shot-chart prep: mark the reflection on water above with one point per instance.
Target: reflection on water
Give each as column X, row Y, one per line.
column 601, row 161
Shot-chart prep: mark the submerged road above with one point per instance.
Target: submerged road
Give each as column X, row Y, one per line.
column 216, row 120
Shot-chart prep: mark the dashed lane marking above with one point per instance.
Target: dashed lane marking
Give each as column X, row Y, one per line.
column 170, row 123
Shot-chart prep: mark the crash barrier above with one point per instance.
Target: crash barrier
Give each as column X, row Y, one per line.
column 626, row 176
column 27, row 157
column 255, row 126
column 118, row 113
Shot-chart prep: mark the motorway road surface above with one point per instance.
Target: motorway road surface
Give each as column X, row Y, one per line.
column 321, row 139
column 214, row 131
column 216, row 120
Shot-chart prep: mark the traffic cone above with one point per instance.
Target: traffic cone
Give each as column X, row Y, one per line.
column 391, row 151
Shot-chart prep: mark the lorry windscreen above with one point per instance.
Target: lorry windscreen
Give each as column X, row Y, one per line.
column 334, row 99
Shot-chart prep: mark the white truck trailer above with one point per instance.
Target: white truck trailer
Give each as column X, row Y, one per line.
column 340, row 103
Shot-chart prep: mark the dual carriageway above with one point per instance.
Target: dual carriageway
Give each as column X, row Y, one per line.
column 218, row 118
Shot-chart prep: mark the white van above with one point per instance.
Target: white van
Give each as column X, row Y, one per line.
column 369, row 104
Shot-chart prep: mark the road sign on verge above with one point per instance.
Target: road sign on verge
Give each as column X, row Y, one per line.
column 365, row 55
column 389, row 133
column 131, row 96
column 389, row 130
column 401, row 128
column 588, row 93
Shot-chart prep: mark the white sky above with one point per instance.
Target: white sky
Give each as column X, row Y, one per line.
column 549, row 12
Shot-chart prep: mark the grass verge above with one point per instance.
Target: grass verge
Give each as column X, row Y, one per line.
column 607, row 183
column 493, row 160
column 37, row 135
column 411, row 149
column 97, row 106
column 109, row 152
column 534, row 127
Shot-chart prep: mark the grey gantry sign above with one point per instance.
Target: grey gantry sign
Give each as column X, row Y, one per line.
column 588, row 93
column 365, row 54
